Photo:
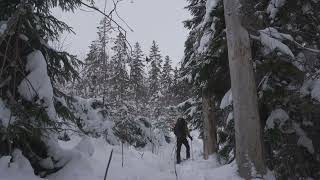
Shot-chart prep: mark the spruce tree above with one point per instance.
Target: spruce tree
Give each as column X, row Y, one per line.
column 119, row 80
column 284, row 72
column 96, row 72
column 137, row 73
column 166, row 80
column 155, row 71
column 205, row 65
column 31, row 75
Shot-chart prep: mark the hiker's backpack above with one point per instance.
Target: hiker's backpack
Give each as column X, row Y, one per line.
column 180, row 128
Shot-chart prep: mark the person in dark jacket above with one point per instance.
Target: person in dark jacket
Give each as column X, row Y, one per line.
column 181, row 131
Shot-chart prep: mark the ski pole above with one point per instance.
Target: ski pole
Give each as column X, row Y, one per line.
column 192, row 151
column 110, row 157
column 122, row 153
column 175, row 164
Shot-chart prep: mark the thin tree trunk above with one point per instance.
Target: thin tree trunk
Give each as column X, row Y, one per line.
column 249, row 150
column 209, row 126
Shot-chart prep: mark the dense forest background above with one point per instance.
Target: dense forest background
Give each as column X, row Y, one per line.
column 127, row 96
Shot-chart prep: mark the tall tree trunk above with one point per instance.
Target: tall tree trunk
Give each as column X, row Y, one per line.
column 209, row 125
column 249, row 150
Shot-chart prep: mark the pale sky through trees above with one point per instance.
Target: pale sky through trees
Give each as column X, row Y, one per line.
column 159, row 20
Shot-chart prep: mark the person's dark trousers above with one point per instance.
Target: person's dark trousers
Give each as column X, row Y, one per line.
column 183, row 141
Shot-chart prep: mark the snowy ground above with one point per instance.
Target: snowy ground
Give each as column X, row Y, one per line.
column 139, row 165
column 87, row 164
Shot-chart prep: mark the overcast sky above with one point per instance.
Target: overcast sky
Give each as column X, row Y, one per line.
column 159, row 20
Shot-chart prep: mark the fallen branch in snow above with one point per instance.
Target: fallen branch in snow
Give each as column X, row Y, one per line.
column 110, row 157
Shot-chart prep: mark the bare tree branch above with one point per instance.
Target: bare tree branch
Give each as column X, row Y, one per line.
column 109, row 16
column 106, row 15
column 115, row 3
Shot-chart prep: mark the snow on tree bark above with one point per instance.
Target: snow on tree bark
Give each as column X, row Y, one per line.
column 249, row 150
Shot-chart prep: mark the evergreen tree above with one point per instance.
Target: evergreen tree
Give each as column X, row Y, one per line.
column 31, row 75
column 284, row 72
column 175, row 76
column 119, row 80
column 137, row 73
column 166, row 80
column 96, row 71
column 155, row 71
column 205, row 65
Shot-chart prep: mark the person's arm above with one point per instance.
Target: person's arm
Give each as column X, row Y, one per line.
column 188, row 133
column 175, row 129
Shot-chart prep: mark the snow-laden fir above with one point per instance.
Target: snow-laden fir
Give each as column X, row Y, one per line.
column 37, row 83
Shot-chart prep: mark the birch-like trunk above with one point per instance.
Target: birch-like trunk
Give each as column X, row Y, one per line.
column 209, row 126
column 249, row 144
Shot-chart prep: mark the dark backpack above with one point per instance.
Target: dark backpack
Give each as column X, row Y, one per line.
column 180, row 128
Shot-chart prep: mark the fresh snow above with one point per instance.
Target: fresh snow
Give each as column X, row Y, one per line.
column 3, row 27
column 37, row 83
column 84, row 158
column 226, row 100
column 23, row 37
column 306, row 87
column 311, row 87
column 20, row 168
column 85, row 146
column 189, row 101
column 303, row 139
column 230, row 117
column 272, row 32
column 82, row 163
column 210, row 4
column 5, row 115
column 273, row 7
column 141, row 165
column 205, row 39
column 94, row 120
column 278, row 116
column 315, row 92
column 271, row 40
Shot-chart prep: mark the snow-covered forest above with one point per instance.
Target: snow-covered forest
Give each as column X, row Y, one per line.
column 248, row 87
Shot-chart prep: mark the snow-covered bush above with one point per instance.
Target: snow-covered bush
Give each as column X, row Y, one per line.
column 30, row 72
